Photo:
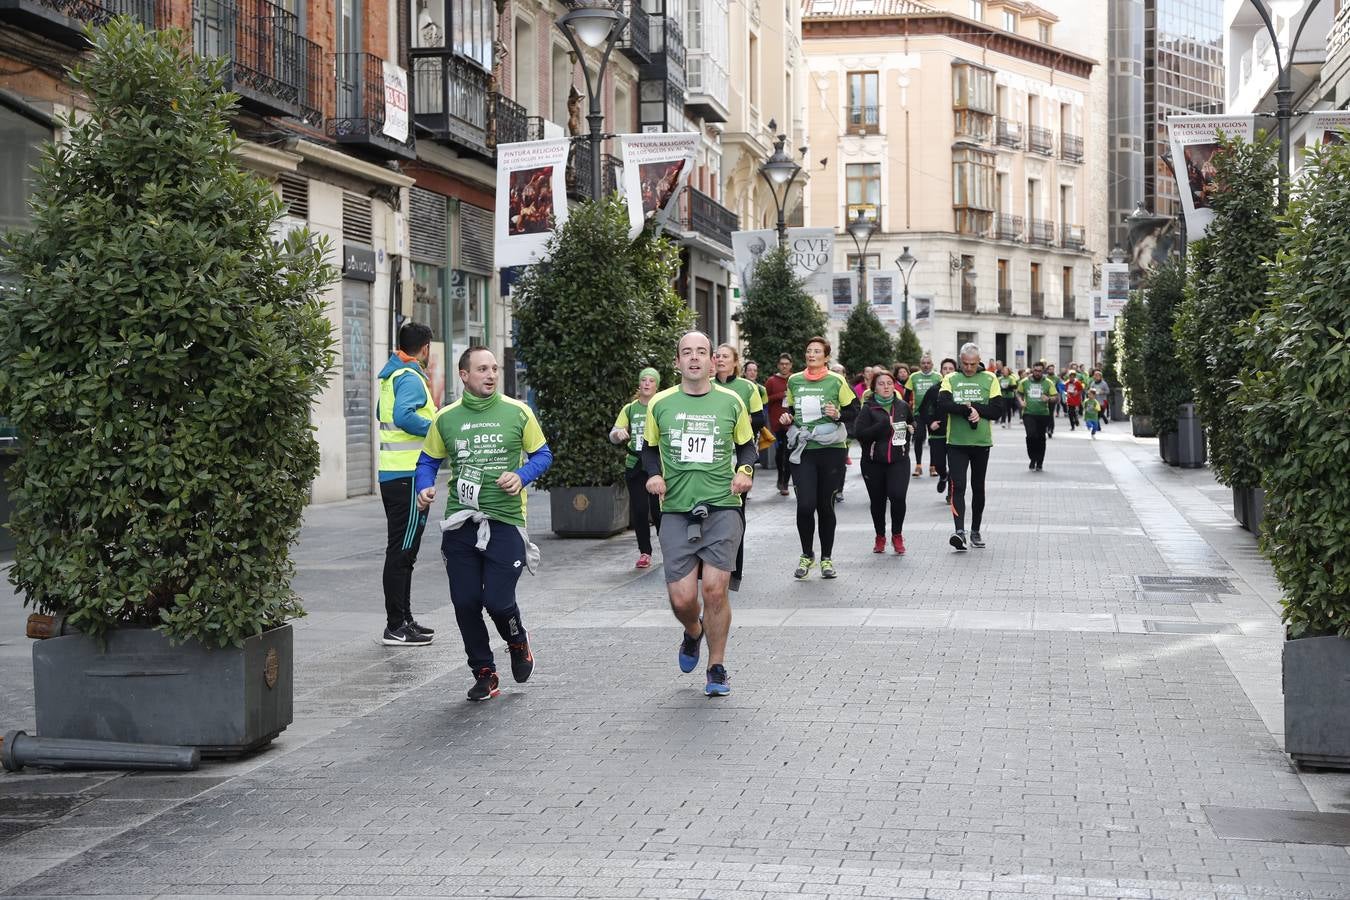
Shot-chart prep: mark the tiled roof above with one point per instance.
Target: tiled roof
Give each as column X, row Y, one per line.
column 836, row 8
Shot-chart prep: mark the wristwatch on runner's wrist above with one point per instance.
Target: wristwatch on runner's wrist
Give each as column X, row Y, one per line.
column 746, row 470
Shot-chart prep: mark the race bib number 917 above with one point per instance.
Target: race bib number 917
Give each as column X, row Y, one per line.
column 696, row 448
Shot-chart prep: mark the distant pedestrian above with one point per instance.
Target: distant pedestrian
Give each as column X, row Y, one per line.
column 936, row 425
column 1073, row 398
column 971, row 400
column 630, row 428
column 496, row 448
column 777, row 386
column 1092, row 411
column 405, row 410
column 1103, row 389
column 1037, row 392
column 703, row 451
column 918, row 386
column 885, row 424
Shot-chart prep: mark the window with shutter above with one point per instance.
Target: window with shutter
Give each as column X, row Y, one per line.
column 475, row 239
column 427, row 227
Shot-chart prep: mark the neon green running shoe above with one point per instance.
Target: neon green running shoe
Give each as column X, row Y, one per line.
column 804, row 567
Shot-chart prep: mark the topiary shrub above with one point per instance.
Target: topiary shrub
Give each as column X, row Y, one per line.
column 908, row 350
column 864, row 341
column 589, row 318
column 1228, row 283
column 779, row 316
column 1294, row 407
column 159, row 357
column 1128, row 340
column 1165, row 382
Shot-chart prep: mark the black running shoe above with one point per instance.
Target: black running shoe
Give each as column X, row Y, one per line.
column 420, row 629
column 484, row 685
column 942, row 484
column 1040, row 467
column 958, row 540
column 976, row 540
column 522, row 661
column 1031, row 466
column 404, row 637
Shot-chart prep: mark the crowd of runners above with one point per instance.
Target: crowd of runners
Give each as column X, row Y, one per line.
column 691, row 455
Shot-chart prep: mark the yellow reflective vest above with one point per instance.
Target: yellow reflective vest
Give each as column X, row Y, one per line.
column 399, row 449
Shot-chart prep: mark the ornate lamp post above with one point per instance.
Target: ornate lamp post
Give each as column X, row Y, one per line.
column 780, row 171
column 861, row 230
column 595, row 27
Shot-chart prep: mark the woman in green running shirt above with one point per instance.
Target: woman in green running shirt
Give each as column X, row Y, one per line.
column 727, row 371
column 644, row 509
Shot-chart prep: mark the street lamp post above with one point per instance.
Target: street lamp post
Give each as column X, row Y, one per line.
column 779, row 171
column 861, row 230
column 594, row 27
column 1284, row 90
column 905, row 262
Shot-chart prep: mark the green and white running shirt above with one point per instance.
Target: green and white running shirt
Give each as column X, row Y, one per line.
column 1037, row 395
column 633, row 418
column 807, row 400
column 978, row 388
column 697, row 438
column 488, row 440
column 920, row 383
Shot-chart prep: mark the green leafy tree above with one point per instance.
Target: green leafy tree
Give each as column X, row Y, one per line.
column 907, row 347
column 1294, row 407
column 778, row 316
column 1227, row 286
column 160, row 358
column 1128, row 340
column 1166, row 383
column 864, row 340
column 589, row 319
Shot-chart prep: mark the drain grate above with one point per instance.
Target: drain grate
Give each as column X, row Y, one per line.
column 1282, row 826
column 1196, row 583
column 1177, row 597
column 1153, row 626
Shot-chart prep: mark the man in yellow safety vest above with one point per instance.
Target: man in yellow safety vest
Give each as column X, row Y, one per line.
column 405, row 412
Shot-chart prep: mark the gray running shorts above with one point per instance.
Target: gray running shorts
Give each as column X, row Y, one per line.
column 722, row 532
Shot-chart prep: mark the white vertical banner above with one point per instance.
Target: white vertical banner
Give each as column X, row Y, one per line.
column 395, row 102
column 655, row 168
column 531, row 199
column 921, row 310
column 1116, row 287
column 810, row 253
column 1195, row 140
column 1327, row 126
column 881, row 293
column 843, row 291
column 1101, row 319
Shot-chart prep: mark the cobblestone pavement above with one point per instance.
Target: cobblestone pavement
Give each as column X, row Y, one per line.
column 1022, row 721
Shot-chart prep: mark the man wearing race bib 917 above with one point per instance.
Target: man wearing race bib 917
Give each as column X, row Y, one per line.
column 496, row 448
column 700, row 441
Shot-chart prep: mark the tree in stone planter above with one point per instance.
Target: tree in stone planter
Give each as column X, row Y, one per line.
column 589, row 318
column 1293, row 405
column 1227, row 286
column 907, row 347
column 1128, row 340
column 160, row 356
column 778, row 315
column 1166, row 383
column 864, row 341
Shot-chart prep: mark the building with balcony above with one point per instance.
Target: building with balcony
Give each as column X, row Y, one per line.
column 1335, row 77
column 981, row 161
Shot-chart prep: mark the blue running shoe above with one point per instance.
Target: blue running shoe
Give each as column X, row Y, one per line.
column 689, row 651
column 719, row 683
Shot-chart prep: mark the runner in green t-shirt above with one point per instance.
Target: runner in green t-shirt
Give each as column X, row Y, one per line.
column 495, row 448
column 701, row 443
column 918, row 385
column 970, row 397
column 629, row 428
column 1038, row 393
column 819, row 404
column 727, row 373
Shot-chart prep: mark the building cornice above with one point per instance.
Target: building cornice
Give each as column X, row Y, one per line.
column 955, row 27
column 350, row 165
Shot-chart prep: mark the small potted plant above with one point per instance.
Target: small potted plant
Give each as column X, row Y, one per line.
column 159, row 358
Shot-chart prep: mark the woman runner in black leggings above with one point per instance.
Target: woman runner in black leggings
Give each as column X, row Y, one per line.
column 937, row 427
column 820, row 404
column 972, row 400
column 884, row 426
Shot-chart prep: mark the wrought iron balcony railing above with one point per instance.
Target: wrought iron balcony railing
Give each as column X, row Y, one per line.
column 1040, row 231
column 667, row 46
column 1071, row 147
column 63, row 20
column 1074, row 237
column 1038, row 303
column 968, row 297
column 508, row 122
column 1069, row 307
column 864, row 119
column 1041, row 140
column 272, row 67
column 1008, row 133
column 1005, row 301
column 635, row 42
column 710, row 218
column 449, row 99
column 1007, row 227
column 365, row 104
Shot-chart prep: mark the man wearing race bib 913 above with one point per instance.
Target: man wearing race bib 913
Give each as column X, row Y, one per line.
column 700, row 441
column 496, row 448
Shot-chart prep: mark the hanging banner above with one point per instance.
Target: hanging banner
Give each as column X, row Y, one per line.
column 655, row 168
column 395, row 102
column 842, row 295
column 1327, row 127
column 922, row 306
column 810, row 252
column 1101, row 319
column 882, row 288
column 531, row 199
column 1116, row 281
column 1194, row 140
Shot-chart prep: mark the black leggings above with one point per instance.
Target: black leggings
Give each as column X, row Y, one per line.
column 959, row 458
column 887, row 481
column 920, row 435
column 1073, row 414
column 1036, row 426
column 817, row 478
column 780, row 459
column 644, row 509
column 937, row 445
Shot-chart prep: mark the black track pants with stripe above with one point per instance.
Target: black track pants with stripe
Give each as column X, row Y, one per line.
column 406, row 525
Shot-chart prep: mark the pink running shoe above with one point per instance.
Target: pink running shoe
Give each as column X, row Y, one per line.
column 644, row 561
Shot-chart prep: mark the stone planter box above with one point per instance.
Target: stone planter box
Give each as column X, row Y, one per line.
column 1256, row 509
column 1241, row 506
column 591, row 512
column 135, row 686
column 1316, row 702
column 1142, row 426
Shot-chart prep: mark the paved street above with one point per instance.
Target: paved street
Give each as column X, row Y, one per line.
column 1030, row 720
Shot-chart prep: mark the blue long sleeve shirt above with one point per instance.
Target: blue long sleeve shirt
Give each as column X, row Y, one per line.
column 536, row 464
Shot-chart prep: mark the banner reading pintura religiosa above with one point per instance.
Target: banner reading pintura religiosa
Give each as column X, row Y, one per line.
column 655, row 168
column 1195, row 140
column 531, row 199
